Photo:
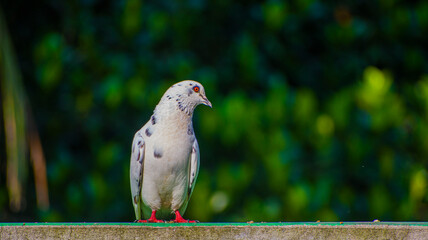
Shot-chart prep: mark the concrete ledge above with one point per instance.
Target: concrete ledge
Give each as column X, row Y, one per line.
column 309, row 230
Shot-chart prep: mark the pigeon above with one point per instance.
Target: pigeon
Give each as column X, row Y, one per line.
column 165, row 156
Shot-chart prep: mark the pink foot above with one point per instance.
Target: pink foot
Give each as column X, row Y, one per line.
column 152, row 219
column 180, row 219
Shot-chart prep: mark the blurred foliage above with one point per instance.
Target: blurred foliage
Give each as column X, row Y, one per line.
column 21, row 138
column 320, row 108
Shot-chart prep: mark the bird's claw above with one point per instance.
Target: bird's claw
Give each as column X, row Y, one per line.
column 182, row 220
column 186, row 221
column 156, row 221
column 150, row 221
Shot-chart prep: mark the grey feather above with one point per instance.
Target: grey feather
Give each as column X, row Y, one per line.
column 194, row 167
column 136, row 172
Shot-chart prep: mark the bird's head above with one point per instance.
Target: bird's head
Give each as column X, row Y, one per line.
column 187, row 95
column 192, row 92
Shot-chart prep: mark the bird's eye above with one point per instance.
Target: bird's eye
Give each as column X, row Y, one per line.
column 196, row 88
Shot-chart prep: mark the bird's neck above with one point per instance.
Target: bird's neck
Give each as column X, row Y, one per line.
column 171, row 114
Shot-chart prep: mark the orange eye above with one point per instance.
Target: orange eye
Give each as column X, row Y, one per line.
column 196, row 88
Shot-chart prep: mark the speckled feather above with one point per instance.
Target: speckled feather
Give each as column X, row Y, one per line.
column 165, row 153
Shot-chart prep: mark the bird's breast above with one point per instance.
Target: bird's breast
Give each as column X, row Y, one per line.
column 167, row 164
column 169, row 149
column 174, row 141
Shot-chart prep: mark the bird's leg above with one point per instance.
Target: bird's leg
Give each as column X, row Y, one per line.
column 180, row 219
column 152, row 219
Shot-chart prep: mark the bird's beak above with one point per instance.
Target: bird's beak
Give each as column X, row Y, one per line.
column 206, row 102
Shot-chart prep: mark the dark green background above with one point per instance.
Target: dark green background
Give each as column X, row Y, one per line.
column 320, row 110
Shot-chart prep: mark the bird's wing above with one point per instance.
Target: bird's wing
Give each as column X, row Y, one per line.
column 194, row 167
column 136, row 172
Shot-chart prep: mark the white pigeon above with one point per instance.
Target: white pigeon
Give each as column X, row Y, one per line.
column 165, row 155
